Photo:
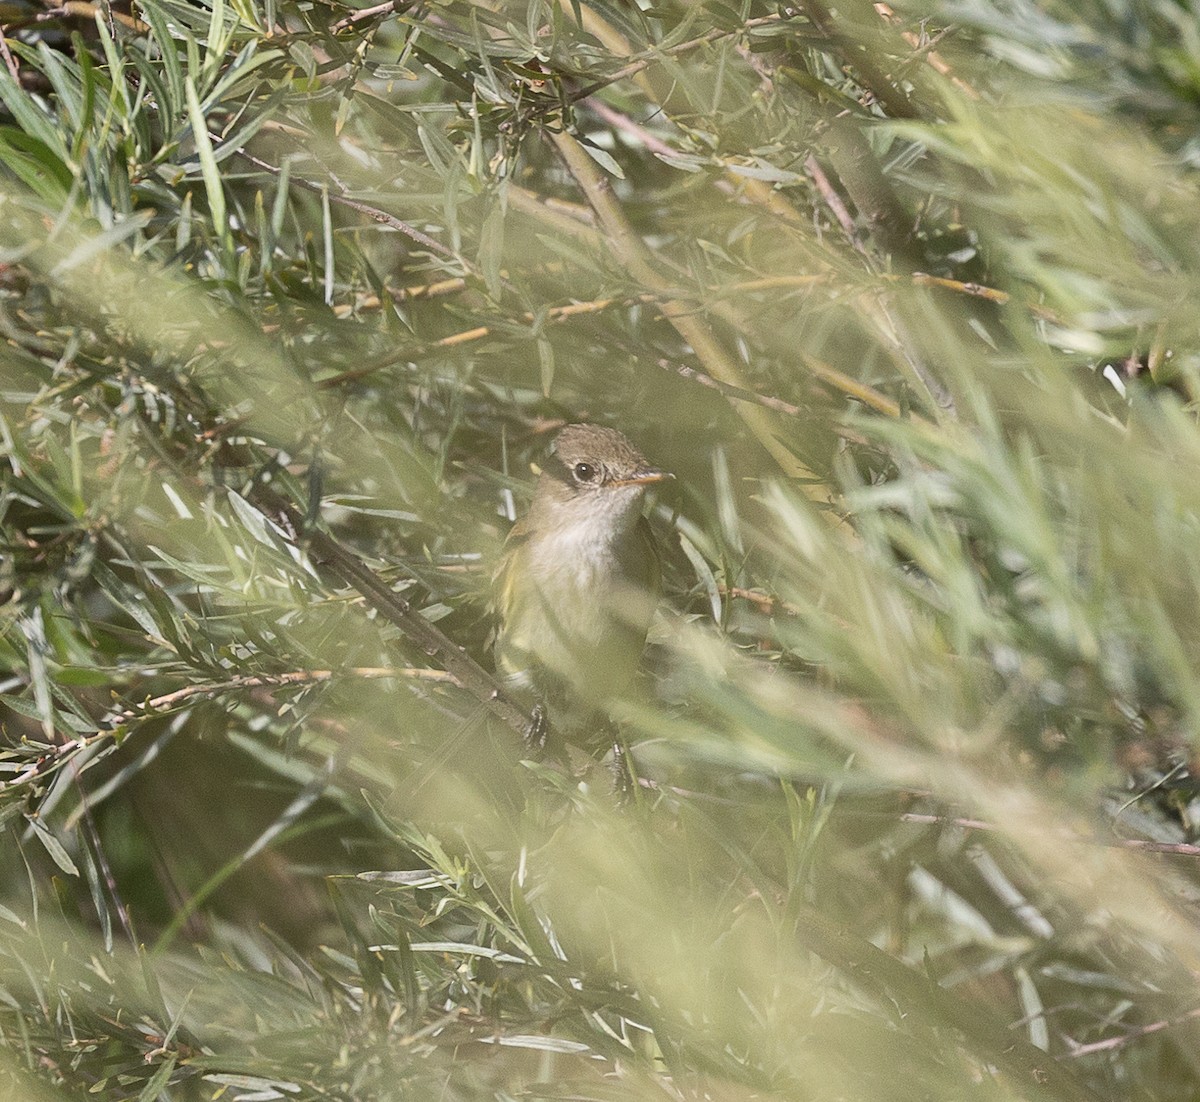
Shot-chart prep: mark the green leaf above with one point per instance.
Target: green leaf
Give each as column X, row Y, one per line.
column 605, row 160
column 156, row 1084
column 208, row 165
column 91, row 247
column 53, row 847
column 491, row 249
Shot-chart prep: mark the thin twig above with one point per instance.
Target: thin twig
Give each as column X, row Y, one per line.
column 754, row 191
column 731, row 391
column 833, row 201
column 329, row 554
column 84, row 10
column 1133, row 1034
column 92, row 836
column 634, row 67
column 978, row 290
column 467, row 336
column 363, row 14
column 342, row 200
column 274, row 680
column 764, row 602
column 430, row 290
column 927, row 51
column 13, row 69
column 623, row 122
column 1142, row 845
column 634, row 255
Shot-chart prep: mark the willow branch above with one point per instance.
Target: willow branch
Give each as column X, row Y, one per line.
column 271, row 681
column 374, row 213
column 888, row 218
column 373, row 12
column 635, row 257
column 635, row 67
column 84, row 10
column 927, row 51
column 327, row 552
column 9, row 62
column 880, row 85
column 1035, row 1073
column 1134, row 1034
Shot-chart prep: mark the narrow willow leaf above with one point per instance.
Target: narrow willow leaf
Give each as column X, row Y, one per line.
column 208, row 165
column 491, row 249
column 33, row 628
column 705, row 575
column 175, row 102
column 91, row 247
column 605, row 160
column 157, row 1083
column 53, row 847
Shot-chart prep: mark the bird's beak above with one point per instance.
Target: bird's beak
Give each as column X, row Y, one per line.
column 643, row 478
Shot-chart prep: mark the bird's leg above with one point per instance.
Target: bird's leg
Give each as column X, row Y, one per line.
column 624, row 773
column 537, row 731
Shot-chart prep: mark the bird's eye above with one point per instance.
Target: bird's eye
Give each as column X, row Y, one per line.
column 584, row 472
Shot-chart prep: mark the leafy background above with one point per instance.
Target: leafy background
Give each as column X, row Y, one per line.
column 294, row 294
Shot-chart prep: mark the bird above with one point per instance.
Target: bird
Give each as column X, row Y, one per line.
column 578, row 583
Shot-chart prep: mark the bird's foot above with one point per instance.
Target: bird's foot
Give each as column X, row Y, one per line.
column 624, row 779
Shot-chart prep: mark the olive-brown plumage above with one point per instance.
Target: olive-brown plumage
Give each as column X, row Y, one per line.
column 579, row 579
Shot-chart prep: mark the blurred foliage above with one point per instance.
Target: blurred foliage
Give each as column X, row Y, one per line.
column 292, row 296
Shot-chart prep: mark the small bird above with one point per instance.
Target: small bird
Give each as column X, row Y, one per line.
column 579, row 580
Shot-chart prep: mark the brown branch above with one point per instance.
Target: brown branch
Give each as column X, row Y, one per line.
column 978, row 290
column 83, row 10
column 633, row 254
column 417, row 292
column 430, row 290
column 467, row 336
column 1134, row 1034
column 363, row 14
column 731, row 391
column 764, row 602
column 919, row 279
column 478, row 333
column 9, row 61
column 894, row 99
column 623, row 122
column 927, row 52
column 852, row 158
column 833, row 201
column 740, row 394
